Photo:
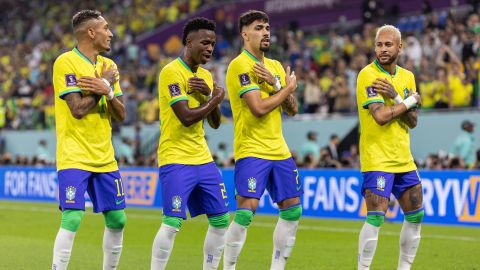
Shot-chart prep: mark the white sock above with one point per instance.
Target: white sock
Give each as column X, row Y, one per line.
column 367, row 243
column 235, row 238
column 409, row 241
column 162, row 246
column 62, row 249
column 283, row 242
column 213, row 247
column 112, row 247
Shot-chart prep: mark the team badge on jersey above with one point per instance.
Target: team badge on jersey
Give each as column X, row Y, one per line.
column 252, row 184
column 371, row 92
column 381, row 183
column 176, row 203
column 70, row 80
column 174, row 89
column 244, row 79
column 70, row 194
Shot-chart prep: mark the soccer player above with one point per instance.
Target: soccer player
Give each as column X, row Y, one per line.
column 259, row 89
column 187, row 173
column 387, row 101
column 84, row 106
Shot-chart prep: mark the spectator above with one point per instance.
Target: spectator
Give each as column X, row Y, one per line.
column 332, row 147
column 42, row 154
column 464, row 145
column 310, row 146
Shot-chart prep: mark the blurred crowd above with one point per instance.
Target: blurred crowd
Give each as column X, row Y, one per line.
column 441, row 47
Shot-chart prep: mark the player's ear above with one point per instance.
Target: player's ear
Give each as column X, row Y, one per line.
column 91, row 33
column 244, row 35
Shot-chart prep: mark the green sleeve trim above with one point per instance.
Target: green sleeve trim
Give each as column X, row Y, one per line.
column 175, row 100
column 68, row 91
column 365, row 105
column 119, row 94
column 248, row 89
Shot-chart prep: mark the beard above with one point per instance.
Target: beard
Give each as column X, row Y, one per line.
column 389, row 61
column 264, row 48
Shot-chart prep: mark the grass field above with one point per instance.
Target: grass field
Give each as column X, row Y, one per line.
column 27, row 232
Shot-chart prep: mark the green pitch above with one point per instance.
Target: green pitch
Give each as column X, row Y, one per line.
column 27, row 233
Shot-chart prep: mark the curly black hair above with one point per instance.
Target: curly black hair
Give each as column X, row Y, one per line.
column 83, row 16
column 249, row 17
column 196, row 24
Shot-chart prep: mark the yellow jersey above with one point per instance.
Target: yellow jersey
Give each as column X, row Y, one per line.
column 255, row 137
column 383, row 148
column 180, row 144
column 84, row 143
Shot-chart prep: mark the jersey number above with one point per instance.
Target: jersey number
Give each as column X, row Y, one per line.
column 119, row 187
column 223, row 190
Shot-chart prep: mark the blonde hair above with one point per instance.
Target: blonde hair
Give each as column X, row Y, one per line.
column 389, row 28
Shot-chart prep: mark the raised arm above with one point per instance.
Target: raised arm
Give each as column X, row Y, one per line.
column 261, row 106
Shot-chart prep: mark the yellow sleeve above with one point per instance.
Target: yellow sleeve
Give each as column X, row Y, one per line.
column 171, row 86
column 413, row 85
column 365, row 92
column 282, row 74
column 243, row 78
column 64, row 77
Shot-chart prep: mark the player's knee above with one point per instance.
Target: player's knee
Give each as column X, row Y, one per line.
column 292, row 213
column 220, row 221
column 415, row 216
column 115, row 219
column 376, row 219
column 71, row 219
column 175, row 222
column 243, row 217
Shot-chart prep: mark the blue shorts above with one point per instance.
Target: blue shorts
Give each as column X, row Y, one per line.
column 279, row 177
column 105, row 190
column 198, row 187
column 383, row 183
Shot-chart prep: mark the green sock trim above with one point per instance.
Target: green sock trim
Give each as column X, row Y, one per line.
column 375, row 220
column 220, row 221
column 175, row 222
column 71, row 219
column 291, row 214
column 115, row 219
column 415, row 218
column 243, row 217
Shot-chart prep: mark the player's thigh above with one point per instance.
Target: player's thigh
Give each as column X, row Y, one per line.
column 251, row 177
column 210, row 195
column 177, row 181
column 284, row 184
column 408, row 190
column 106, row 191
column 72, row 184
column 376, row 189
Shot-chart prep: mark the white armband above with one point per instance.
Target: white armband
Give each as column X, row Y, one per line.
column 410, row 102
column 398, row 99
column 278, row 84
column 106, row 82
column 110, row 94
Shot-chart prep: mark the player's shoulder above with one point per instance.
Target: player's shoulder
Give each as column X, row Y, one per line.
column 367, row 70
column 64, row 57
column 238, row 64
column 171, row 67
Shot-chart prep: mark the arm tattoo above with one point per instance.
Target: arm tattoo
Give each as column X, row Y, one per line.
column 289, row 105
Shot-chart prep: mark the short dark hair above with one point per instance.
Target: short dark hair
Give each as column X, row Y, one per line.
column 250, row 16
column 196, row 24
column 83, row 16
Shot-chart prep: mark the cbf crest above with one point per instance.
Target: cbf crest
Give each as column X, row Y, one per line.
column 381, row 183
column 176, row 203
column 70, row 194
column 252, row 184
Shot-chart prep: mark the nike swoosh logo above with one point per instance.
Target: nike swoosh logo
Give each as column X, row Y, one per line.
column 298, row 188
column 226, row 203
column 117, row 202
